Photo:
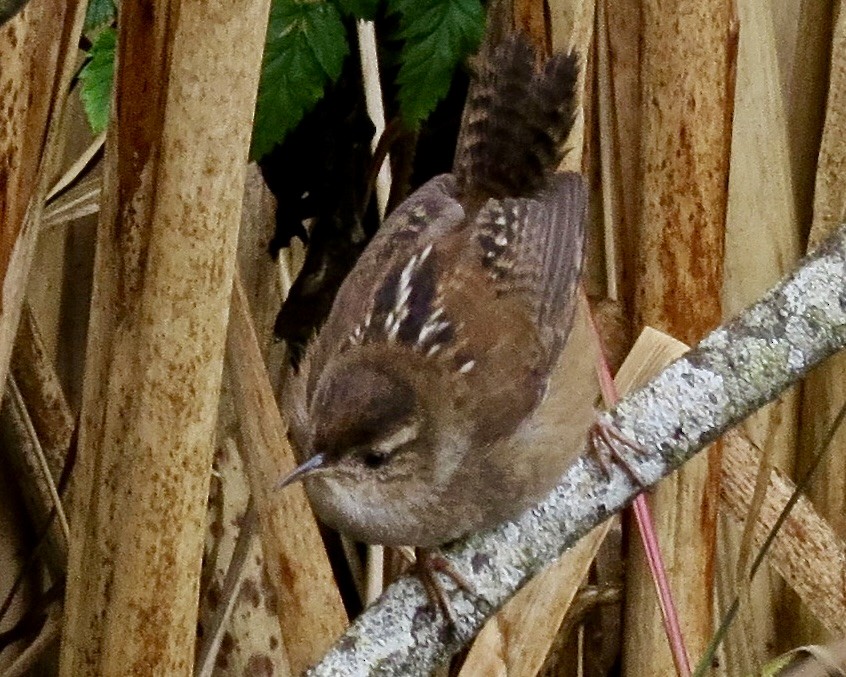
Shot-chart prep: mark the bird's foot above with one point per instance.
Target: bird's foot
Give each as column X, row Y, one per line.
column 609, row 445
column 428, row 562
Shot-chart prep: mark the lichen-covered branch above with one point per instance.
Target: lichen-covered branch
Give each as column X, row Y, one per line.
column 730, row 374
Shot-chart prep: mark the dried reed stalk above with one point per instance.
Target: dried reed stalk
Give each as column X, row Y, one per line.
column 28, row 465
column 38, row 53
column 763, row 242
column 570, row 28
column 530, row 17
column 37, row 427
column 238, row 604
column 30, row 659
column 803, row 41
column 825, row 388
column 609, row 169
column 42, row 391
column 309, row 606
column 14, row 547
column 623, row 26
column 617, row 107
column 186, row 82
column 369, row 55
column 37, row 58
column 807, row 552
column 83, row 199
column 686, row 94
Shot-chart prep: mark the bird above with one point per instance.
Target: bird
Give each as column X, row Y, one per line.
column 413, row 406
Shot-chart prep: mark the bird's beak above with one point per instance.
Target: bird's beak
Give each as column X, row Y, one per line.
column 313, row 464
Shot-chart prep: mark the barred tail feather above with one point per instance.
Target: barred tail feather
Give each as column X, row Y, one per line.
column 516, row 120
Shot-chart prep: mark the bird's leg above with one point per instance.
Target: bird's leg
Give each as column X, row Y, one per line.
column 429, row 561
column 608, row 444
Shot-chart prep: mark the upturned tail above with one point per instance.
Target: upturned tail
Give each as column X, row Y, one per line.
column 516, row 119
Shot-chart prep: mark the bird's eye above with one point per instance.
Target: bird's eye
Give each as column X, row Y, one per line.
column 374, row 459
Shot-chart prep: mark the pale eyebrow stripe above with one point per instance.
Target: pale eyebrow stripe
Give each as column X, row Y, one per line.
column 402, row 436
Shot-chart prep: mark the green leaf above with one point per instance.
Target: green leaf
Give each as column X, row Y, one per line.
column 96, row 78
column 438, row 36
column 360, row 9
column 306, row 46
column 99, row 13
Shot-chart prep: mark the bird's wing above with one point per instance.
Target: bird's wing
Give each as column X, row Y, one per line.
column 510, row 296
column 532, row 250
column 368, row 294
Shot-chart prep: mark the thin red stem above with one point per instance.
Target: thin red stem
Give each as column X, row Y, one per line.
column 646, row 529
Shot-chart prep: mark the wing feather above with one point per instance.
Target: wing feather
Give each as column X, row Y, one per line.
column 428, row 214
column 534, row 247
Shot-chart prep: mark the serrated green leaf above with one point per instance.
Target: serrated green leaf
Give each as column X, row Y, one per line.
column 96, row 79
column 305, row 49
column 437, row 36
column 419, row 20
column 99, row 13
column 360, row 9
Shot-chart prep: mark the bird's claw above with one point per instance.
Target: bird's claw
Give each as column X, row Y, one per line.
column 606, row 441
column 428, row 562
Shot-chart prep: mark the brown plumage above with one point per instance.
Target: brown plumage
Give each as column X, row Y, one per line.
column 414, row 404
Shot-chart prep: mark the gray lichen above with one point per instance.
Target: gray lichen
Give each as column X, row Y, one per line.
column 730, row 374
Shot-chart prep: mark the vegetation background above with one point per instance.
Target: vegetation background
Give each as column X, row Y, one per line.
column 139, row 397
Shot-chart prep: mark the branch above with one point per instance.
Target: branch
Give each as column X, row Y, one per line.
column 730, row 374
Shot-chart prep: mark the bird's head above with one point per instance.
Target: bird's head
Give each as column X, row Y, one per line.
column 365, row 430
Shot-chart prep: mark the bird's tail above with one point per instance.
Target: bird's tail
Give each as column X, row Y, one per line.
column 516, row 119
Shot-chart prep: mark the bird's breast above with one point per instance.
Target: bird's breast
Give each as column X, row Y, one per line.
column 369, row 514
